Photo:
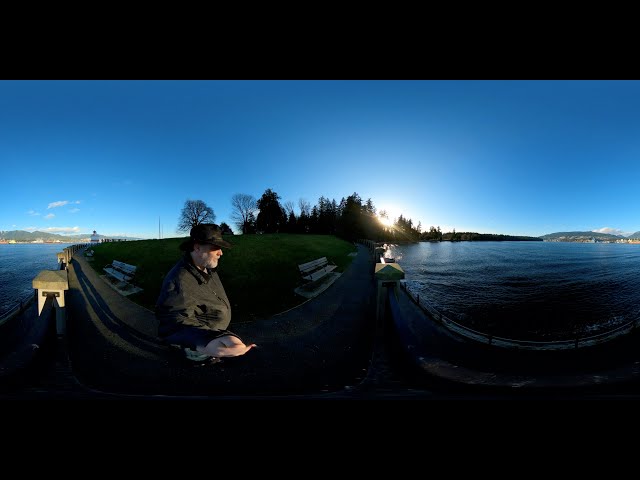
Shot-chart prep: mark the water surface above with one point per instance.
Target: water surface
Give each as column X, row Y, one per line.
column 526, row 289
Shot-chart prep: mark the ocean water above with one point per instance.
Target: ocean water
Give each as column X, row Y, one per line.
column 526, row 289
column 19, row 264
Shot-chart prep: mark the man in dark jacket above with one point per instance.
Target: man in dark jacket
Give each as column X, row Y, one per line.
column 193, row 309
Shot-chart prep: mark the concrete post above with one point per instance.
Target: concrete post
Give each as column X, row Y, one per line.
column 61, row 258
column 388, row 275
column 54, row 283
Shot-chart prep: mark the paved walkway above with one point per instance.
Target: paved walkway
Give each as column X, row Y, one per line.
column 328, row 347
column 322, row 346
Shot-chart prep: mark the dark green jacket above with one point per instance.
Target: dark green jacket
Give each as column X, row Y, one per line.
column 192, row 308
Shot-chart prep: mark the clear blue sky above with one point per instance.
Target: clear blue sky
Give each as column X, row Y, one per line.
column 512, row 157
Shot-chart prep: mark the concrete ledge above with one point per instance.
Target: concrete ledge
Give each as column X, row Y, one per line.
column 51, row 280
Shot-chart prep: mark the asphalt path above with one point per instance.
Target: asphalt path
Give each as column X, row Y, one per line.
column 329, row 347
column 322, row 346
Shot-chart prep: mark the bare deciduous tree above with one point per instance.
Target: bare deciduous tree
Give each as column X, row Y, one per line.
column 288, row 207
column 244, row 209
column 305, row 206
column 194, row 213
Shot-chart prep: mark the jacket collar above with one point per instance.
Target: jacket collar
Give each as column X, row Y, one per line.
column 193, row 270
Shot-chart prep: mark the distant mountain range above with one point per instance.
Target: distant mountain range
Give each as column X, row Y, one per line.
column 24, row 236
column 586, row 236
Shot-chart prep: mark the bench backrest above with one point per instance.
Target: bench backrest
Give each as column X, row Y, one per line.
column 124, row 267
column 313, row 265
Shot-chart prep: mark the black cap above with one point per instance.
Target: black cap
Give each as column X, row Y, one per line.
column 207, row 233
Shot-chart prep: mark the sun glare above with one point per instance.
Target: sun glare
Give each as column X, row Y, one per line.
column 391, row 212
column 387, row 222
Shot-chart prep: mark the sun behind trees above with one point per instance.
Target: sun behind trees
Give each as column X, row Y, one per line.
column 350, row 219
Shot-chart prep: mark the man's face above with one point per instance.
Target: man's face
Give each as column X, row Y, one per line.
column 206, row 256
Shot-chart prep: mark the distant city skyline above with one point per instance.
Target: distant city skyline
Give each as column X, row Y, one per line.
column 506, row 157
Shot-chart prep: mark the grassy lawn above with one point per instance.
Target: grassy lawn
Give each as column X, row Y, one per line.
column 259, row 273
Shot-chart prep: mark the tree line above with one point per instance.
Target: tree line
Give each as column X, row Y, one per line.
column 351, row 218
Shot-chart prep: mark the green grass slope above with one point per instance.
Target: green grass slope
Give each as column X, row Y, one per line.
column 259, row 273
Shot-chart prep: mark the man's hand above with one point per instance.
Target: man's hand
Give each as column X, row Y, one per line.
column 226, row 346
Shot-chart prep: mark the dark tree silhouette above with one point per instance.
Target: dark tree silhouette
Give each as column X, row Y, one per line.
column 243, row 213
column 303, row 221
column 287, row 208
column 226, row 229
column 351, row 222
column 194, row 213
column 271, row 218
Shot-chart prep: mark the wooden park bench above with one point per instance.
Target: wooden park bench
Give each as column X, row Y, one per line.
column 120, row 271
column 315, row 269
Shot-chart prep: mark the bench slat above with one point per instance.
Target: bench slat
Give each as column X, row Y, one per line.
column 315, row 269
column 117, row 274
column 120, row 270
column 313, row 265
column 124, row 266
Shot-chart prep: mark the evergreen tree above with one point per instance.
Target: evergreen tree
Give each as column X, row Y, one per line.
column 313, row 220
column 226, row 229
column 303, row 222
column 369, row 208
column 250, row 224
column 291, row 223
column 271, row 217
column 351, row 225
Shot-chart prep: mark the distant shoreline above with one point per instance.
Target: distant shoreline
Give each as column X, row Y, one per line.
column 40, row 243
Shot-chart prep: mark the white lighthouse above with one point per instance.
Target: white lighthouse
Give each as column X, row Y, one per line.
column 95, row 238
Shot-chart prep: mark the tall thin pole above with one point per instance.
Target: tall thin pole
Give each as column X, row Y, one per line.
column 159, row 236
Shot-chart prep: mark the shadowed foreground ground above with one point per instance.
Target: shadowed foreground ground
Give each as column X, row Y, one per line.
column 321, row 346
column 329, row 347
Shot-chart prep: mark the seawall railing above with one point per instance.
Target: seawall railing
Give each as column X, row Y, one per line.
column 17, row 309
column 64, row 258
column 376, row 249
column 19, row 354
column 577, row 341
column 66, row 255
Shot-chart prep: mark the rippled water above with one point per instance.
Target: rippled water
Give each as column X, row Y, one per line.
column 19, row 264
column 526, row 289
